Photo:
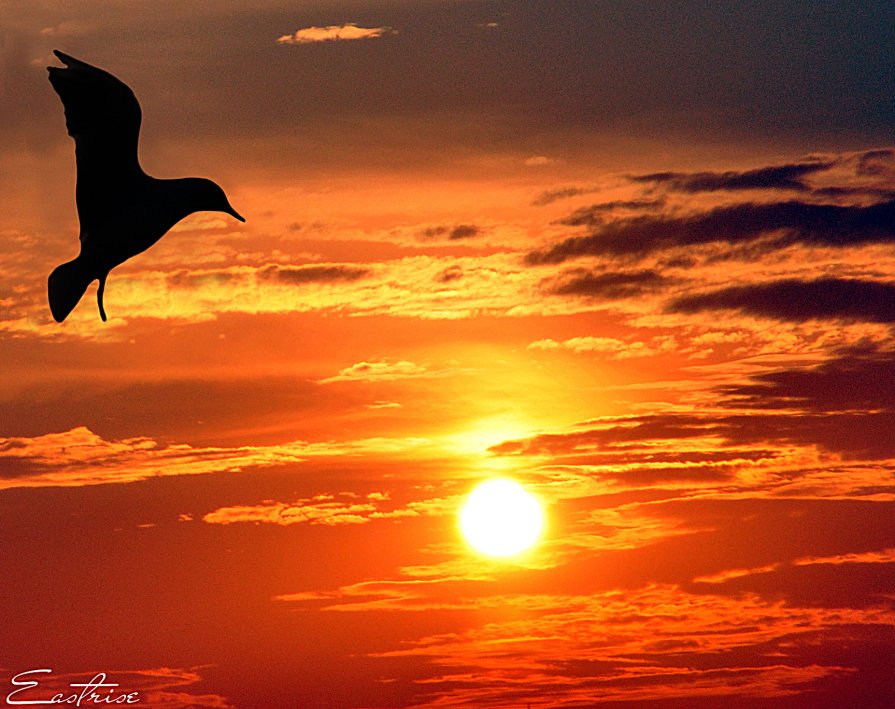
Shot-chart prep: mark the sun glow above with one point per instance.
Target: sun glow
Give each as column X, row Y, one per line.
column 500, row 518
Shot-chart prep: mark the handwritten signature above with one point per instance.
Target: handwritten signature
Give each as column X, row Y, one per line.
column 96, row 691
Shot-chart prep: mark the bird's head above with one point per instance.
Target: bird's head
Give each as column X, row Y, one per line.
column 207, row 196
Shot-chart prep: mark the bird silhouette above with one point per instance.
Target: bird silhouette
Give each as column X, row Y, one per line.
column 122, row 210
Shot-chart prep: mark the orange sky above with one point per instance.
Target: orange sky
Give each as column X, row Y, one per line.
column 637, row 257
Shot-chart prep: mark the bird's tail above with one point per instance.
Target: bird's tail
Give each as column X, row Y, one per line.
column 65, row 287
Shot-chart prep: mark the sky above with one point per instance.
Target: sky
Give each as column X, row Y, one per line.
column 637, row 257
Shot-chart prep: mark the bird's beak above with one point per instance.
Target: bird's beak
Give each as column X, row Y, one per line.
column 233, row 213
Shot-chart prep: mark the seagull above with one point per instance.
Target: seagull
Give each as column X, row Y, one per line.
column 122, row 210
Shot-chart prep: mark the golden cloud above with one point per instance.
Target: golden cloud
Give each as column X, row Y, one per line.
column 81, row 457
column 333, row 33
column 327, row 510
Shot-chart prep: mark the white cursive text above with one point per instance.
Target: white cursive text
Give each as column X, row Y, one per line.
column 95, row 691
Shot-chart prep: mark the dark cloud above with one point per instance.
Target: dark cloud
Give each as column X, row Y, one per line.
column 858, row 380
column 781, row 223
column 849, row 404
column 464, row 231
column 855, row 434
column 775, row 177
column 604, row 285
column 592, row 215
column 451, row 273
column 876, row 162
column 454, row 233
column 623, row 431
column 877, row 193
column 551, row 196
column 824, row 298
column 313, row 274
column 863, row 435
column 189, row 279
column 846, row 406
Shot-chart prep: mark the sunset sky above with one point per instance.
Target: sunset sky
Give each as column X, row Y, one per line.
column 637, row 256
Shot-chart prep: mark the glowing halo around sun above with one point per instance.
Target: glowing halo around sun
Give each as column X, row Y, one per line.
column 500, row 518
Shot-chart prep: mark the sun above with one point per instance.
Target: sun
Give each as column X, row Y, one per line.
column 500, row 518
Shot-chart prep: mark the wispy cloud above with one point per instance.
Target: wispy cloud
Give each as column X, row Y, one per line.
column 595, row 213
column 611, row 346
column 315, row 273
column 326, row 512
column 550, row 196
column 380, row 371
column 876, row 162
column 333, row 33
column 781, row 223
column 637, row 644
column 618, row 284
column 728, row 574
column 453, row 233
column 883, row 556
column 776, row 177
column 538, row 161
column 329, row 510
column 81, row 457
column 822, row 299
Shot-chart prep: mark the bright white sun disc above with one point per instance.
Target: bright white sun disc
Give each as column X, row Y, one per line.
column 500, row 518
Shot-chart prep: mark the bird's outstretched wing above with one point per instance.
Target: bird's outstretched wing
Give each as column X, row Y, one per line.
column 102, row 115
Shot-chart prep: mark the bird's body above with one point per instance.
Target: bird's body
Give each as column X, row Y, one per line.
column 122, row 210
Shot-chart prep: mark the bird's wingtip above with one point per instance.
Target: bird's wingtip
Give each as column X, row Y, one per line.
column 70, row 61
column 233, row 213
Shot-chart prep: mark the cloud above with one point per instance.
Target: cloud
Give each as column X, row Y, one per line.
column 278, row 273
column 454, row 233
column 538, row 161
column 317, row 273
column 859, row 380
column 594, row 214
column 728, row 574
column 617, row 349
column 876, row 162
column 327, row 513
column 605, row 285
column 554, row 195
column 412, row 286
column 794, row 300
column 614, row 432
column 855, row 435
column 882, row 556
column 845, row 406
column 777, row 177
column 327, row 510
column 80, row 457
column 65, row 29
column 332, row 33
column 451, row 273
column 780, row 223
column 383, row 405
column 657, row 642
column 380, row 371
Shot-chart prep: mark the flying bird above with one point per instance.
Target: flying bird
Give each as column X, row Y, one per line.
column 122, row 210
